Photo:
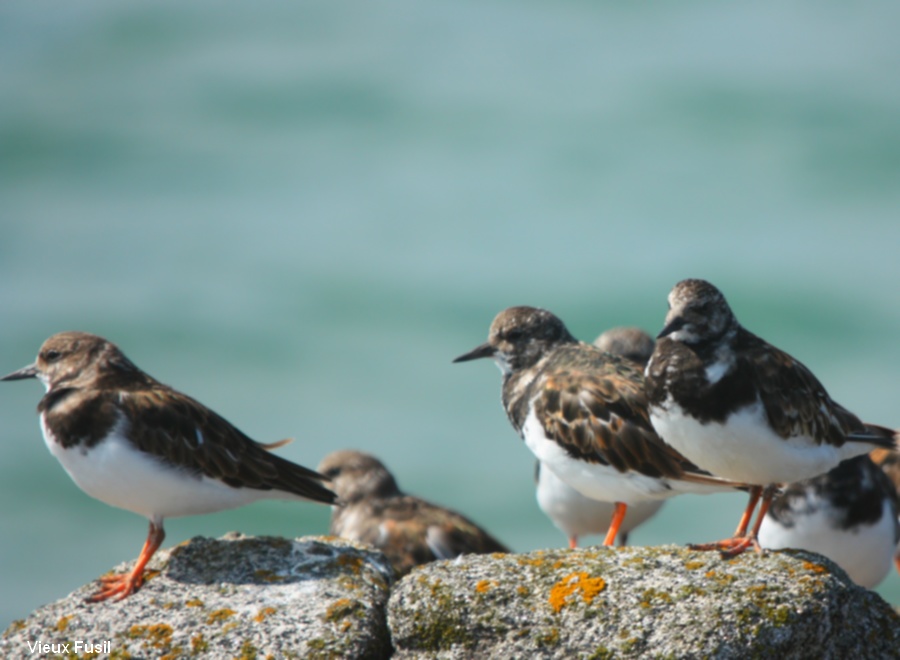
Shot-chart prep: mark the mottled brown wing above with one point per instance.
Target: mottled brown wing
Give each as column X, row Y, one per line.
column 796, row 403
column 184, row 432
column 889, row 461
column 411, row 531
column 600, row 415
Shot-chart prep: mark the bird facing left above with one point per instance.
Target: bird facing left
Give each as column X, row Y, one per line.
column 134, row 443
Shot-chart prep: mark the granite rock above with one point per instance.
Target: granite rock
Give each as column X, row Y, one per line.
column 663, row 602
column 237, row 596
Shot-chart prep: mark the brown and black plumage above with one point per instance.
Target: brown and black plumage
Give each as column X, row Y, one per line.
column 628, row 342
column 583, row 413
column 410, row 531
column 134, row 443
column 739, row 407
column 848, row 514
column 889, row 462
column 573, row 513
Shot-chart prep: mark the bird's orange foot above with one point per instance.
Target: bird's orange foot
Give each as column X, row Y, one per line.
column 730, row 547
column 116, row 585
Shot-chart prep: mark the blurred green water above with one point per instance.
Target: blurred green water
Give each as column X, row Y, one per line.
column 301, row 214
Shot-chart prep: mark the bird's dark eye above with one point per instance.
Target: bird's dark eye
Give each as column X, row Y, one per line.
column 51, row 355
column 514, row 335
column 331, row 473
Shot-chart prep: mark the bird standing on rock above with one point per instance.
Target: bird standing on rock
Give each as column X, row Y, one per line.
column 742, row 409
column 132, row 442
column 583, row 413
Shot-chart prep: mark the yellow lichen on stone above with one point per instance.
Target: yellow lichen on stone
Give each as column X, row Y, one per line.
column 14, row 627
column 63, row 623
column 199, row 644
column 340, row 609
column 158, row 635
column 194, row 602
column 484, row 586
column 248, row 651
column 815, row 568
column 268, row 576
column 354, row 563
column 537, row 561
column 263, row 613
column 694, row 565
column 572, row 583
column 220, row 615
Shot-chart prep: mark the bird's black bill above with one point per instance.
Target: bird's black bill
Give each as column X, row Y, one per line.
column 676, row 324
column 26, row 372
column 483, row 351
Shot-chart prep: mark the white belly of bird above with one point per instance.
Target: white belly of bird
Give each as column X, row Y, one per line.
column 598, row 481
column 577, row 515
column 865, row 552
column 115, row 472
column 745, row 448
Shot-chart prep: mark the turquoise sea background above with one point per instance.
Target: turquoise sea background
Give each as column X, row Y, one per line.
column 300, row 213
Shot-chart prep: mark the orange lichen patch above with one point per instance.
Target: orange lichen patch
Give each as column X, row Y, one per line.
column 351, row 562
column 572, row 583
column 538, row 561
column 523, row 591
column 194, row 602
column 694, row 565
column 559, row 563
column 815, row 568
column 498, row 555
column 484, row 586
column 263, row 613
column 176, row 653
column 199, row 644
column 63, row 623
column 340, row 609
column 159, row 635
column 220, row 615
column 710, row 574
column 15, row 626
column 268, row 576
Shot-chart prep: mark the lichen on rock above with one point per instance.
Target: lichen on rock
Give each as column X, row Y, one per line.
column 639, row 602
column 244, row 597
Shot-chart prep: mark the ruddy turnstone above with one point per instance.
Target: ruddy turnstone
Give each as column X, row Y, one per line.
column 408, row 530
column 629, row 342
column 848, row 514
column 742, row 409
column 583, row 414
column 889, row 462
column 574, row 514
column 134, row 443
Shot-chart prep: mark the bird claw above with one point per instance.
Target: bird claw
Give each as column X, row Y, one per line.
column 113, row 585
column 730, row 548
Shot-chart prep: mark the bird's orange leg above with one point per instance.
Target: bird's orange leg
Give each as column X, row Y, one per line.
column 741, row 541
column 123, row 585
column 573, row 542
column 755, row 493
column 618, row 517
